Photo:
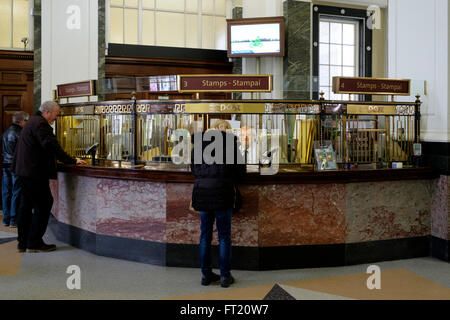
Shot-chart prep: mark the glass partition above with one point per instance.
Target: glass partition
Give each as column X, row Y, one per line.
column 146, row 132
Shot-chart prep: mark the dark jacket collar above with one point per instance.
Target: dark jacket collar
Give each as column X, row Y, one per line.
column 39, row 114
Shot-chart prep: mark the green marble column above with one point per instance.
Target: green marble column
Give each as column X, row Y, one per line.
column 37, row 55
column 297, row 59
column 237, row 62
column 101, row 43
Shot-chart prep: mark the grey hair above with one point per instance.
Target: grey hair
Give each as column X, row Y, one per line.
column 221, row 125
column 20, row 116
column 48, row 106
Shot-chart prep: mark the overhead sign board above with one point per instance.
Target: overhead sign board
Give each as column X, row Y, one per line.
column 224, row 83
column 355, row 85
column 76, row 89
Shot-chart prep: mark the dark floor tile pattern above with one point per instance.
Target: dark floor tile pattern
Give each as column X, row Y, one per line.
column 278, row 293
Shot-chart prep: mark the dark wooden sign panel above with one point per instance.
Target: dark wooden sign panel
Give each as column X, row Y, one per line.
column 355, row 85
column 76, row 89
column 224, row 83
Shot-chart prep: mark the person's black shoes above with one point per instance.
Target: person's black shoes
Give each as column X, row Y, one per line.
column 226, row 281
column 21, row 249
column 206, row 280
column 43, row 248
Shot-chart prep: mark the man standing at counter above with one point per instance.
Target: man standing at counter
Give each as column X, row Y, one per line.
column 35, row 163
column 11, row 187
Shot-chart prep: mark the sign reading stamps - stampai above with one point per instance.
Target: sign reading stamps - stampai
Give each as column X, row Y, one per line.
column 224, row 83
column 76, row 89
column 355, row 85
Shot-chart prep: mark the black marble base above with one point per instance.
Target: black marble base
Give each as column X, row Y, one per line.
column 187, row 255
column 252, row 258
column 109, row 246
column 437, row 156
column 6, row 240
column 385, row 250
column 440, row 248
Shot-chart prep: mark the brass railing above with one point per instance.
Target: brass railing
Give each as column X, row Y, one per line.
column 144, row 131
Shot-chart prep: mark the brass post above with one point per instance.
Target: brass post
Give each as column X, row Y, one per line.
column 321, row 117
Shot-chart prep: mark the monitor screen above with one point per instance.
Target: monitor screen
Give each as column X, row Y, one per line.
column 256, row 37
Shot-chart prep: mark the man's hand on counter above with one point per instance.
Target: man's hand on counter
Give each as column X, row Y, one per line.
column 81, row 162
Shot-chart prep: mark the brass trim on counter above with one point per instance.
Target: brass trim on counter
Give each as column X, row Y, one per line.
column 374, row 109
column 114, row 109
column 225, row 108
column 86, row 110
column 380, row 109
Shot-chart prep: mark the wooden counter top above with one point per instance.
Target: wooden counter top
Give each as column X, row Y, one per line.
column 303, row 177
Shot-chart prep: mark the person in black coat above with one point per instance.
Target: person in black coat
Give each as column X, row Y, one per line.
column 35, row 163
column 215, row 194
column 11, row 186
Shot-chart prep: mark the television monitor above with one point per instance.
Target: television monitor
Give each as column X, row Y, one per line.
column 255, row 37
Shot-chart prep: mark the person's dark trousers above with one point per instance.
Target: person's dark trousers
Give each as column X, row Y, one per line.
column 15, row 200
column 7, row 194
column 34, row 211
column 223, row 223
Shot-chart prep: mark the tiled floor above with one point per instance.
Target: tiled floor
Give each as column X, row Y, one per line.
column 44, row 276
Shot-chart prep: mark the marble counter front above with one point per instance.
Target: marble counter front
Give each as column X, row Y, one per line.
column 279, row 225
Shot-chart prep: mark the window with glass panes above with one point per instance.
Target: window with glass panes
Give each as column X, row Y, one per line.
column 13, row 23
column 172, row 23
column 342, row 46
column 338, row 53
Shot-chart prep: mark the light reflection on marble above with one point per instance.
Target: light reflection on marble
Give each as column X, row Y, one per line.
column 54, row 190
column 440, row 225
column 387, row 210
column 77, row 201
column 131, row 209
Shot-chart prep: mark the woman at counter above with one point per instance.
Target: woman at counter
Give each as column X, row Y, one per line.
column 214, row 196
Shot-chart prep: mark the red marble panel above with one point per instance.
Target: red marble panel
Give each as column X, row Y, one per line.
column 244, row 224
column 135, row 228
column 131, row 209
column 183, row 225
column 301, row 214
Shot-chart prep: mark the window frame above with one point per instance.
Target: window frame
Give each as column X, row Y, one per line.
column 156, row 10
column 341, row 64
column 364, row 67
column 11, row 44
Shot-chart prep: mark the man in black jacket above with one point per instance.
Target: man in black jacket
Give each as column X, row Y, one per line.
column 218, row 166
column 35, row 163
column 11, row 186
